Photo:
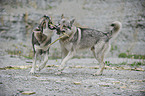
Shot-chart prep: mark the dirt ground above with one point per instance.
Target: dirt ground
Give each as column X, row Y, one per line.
column 76, row 79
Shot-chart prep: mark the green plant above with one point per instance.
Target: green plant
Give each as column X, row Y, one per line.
column 137, row 64
column 122, row 55
column 134, row 56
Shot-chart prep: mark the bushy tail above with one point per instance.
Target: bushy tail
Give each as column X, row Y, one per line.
column 116, row 27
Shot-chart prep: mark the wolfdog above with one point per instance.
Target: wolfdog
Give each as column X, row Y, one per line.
column 41, row 38
column 83, row 38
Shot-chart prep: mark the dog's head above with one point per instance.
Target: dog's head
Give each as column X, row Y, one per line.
column 64, row 25
column 46, row 22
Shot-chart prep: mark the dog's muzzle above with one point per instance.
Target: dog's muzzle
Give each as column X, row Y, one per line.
column 59, row 30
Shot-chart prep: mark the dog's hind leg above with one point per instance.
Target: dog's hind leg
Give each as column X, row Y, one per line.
column 93, row 51
column 102, row 64
column 69, row 56
column 100, row 57
column 34, row 63
column 44, row 62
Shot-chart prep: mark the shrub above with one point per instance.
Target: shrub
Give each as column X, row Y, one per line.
column 122, row 55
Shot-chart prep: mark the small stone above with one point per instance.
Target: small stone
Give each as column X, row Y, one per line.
column 58, row 82
column 143, row 80
column 28, row 92
column 123, row 87
column 117, row 93
column 78, row 66
column 116, row 82
column 139, row 69
column 104, row 84
column 94, row 67
column 77, row 83
column 142, row 90
column 58, row 73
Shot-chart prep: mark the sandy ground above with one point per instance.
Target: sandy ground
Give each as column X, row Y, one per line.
column 76, row 79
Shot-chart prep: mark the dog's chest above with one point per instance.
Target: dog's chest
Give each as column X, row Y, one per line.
column 47, row 32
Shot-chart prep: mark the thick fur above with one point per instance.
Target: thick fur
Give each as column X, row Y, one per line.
column 97, row 41
column 41, row 38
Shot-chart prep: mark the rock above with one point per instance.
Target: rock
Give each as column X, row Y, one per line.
column 28, row 93
column 117, row 93
column 116, row 82
column 77, row 83
column 139, row 69
column 104, row 84
column 123, row 87
column 142, row 90
column 78, row 66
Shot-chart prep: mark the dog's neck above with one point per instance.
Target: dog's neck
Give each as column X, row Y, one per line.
column 74, row 29
column 48, row 32
column 70, row 33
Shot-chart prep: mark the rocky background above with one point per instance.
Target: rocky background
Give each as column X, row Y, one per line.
column 19, row 17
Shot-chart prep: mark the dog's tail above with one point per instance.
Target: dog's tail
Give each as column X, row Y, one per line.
column 116, row 26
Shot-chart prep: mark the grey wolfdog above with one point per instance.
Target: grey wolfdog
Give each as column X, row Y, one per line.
column 41, row 38
column 83, row 38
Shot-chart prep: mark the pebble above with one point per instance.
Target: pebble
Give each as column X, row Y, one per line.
column 77, row 83
column 28, row 92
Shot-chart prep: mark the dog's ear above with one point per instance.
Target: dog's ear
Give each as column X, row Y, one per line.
column 72, row 21
column 62, row 16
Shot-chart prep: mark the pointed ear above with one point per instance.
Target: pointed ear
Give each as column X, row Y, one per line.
column 62, row 16
column 72, row 21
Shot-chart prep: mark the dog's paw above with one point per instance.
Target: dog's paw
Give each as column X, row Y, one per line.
column 38, row 69
column 97, row 74
column 32, row 72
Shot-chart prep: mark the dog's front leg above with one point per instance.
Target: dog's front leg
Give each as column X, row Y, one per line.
column 64, row 52
column 34, row 64
column 69, row 56
column 44, row 63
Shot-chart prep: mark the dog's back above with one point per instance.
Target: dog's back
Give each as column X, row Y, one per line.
column 90, row 37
